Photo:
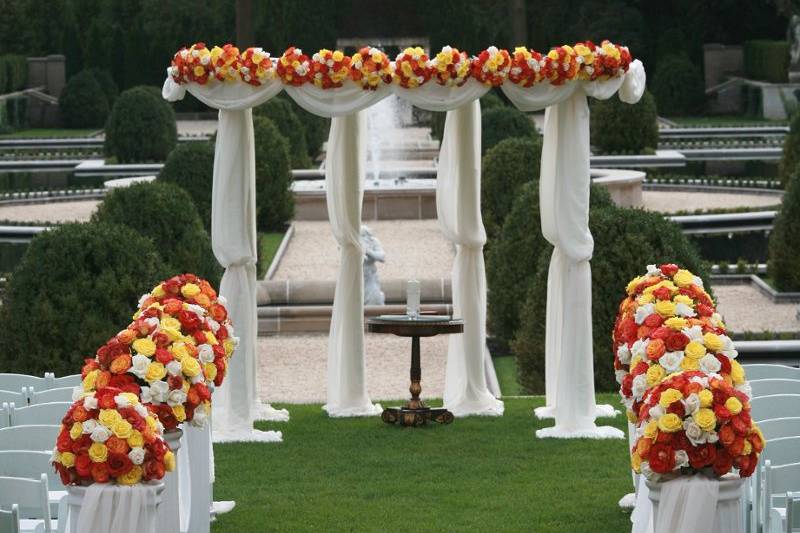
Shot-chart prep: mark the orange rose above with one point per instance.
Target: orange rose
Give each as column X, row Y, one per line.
column 208, row 290
column 148, row 435
column 202, row 300
column 643, row 332
column 80, row 414
column 117, row 445
column 126, row 336
column 643, row 446
column 121, row 364
column 173, row 307
column 103, row 380
column 218, row 313
column 655, row 349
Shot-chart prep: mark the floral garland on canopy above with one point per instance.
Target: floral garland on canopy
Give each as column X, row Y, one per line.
column 371, row 68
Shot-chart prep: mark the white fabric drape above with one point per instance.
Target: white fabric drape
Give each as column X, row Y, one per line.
column 458, row 186
column 117, row 508
column 695, row 504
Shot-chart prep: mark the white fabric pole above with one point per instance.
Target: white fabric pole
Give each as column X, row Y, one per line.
column 233, row 238
column 458, row 186
column 344, row 184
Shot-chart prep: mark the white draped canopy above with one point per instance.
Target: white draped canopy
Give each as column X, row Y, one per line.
column 564, row 211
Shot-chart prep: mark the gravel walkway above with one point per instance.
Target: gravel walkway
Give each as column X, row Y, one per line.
column 76, row 211
column 673, row 201
column 293, row 368
column 745, row 308
column 414, row 248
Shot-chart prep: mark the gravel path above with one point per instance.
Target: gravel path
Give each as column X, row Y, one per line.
column 745, row 308
column 673, row 201
column 76, row 211
column 293, row 368
column 414, row 248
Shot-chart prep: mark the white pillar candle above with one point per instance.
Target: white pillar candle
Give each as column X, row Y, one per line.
column 412, row 298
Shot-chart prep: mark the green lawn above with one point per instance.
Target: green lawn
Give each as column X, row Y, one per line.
column 726, row 120
column 478, row 474
column 268, row 244
column 506, row 368
column 48, row 133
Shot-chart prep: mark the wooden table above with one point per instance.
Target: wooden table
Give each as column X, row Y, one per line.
column 415, row 412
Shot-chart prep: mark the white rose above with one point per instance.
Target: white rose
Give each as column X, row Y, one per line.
column 671, row 361
column 176, row 397
column 643, row 312
column 639, row 386
column 139, row 365
column 146, row 295
column 196, row 309
column 681, row 459
column 141, row 410
column 703, row 381
column 620, row 375
column 159, row 391
column 728, row 350
column 173, row 368
column 639, row 348
column 693, row 432
column 89, row 426
column 656, row 412
column 709, row 364
column 145, row 395
column 695, row 333
column 746, row 389
column 691, row 403
column 136, row 455
column 77, row 393
column 121, row 401
column 199, row 378
column 712, row 437
column 199, row 419
column 90, row 403
column 100, row 433
column 698, row 281
column 653, row 270
column 624, row 353
column 684, row 310
column 213, row 324
column 205, row 353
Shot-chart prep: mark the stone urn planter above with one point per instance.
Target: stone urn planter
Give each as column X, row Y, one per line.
column 169, row 514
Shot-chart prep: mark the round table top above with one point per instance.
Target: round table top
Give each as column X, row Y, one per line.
column 415, row 328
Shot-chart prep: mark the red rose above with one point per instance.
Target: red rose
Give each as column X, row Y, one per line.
column 661, row 458
column 665, row 438
column 218, row 312
column 202, row 391
column 627, row 386
column 153, row 469
column 175, row 382
column 172, row 306
column 723, row 462
column 163, row 356
column 748, row 469
column 166, row 416
column 100, row 472
column 105, row 397
column 199, row 337
column 81, row 445
column 161, row 340
column 189, row 320
column 660, row 333
column 627, row 330
column 64, row 441
column 722, row 412
column 676, row 341
column 221, row 334
column 726, row 435
column 64, row 473
column 172, row 286
column 669, row 269
column 119, row 464
column 702, row 455
column 83, row 465
column 653, row 320
column 662, row 293
column 740, row 425
column 677, row 409
column 88, row 366
column 704, row 310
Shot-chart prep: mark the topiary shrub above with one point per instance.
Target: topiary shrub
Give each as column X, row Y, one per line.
column 280, row 112
column 509, row 259
column 316, row 128
column 141, row 127
column 166, row 214
column 618, row 127
column 274, row 200
column 75, row 287
column 107, row 84
column 82, row 103
column 489, row 100
column 791, row 151
column 784, row 241
column 500, row 123
column 625, row 241
column 191, row 167
column 767, row 60
column 678, row 86
column 13, row 73
column 506, row 167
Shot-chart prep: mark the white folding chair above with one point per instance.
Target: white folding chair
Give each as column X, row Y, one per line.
column 792, row 512
column 762, row 371
column 19, row 397
column 9, row 520
column 53, row 382
column 778, row 480
column 17, row 381
column 5, row 411
column 31, row 465
column 62, row 394
column 761, row 387
column 39, row 437
column 772, row 406
column 41, row 413
column 31, row 497
column 776, row 428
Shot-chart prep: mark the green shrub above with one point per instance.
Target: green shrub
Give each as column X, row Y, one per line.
column 784, row 241
column 141, row 127
column 191, row 166
column 678, row 86
column 166, row 214
column 506, row 167
column 107, row 84
column 500, row 123
column 618, row 127
column 625, row 241
column 316, row 128
column 274, row 200
column 767, row 60
column 280, row 112
column 75, row 287
column 13, row 73
column 13, row 114
column 489, row 100
column 508, row 261
column 791, row 151
column 82, row 103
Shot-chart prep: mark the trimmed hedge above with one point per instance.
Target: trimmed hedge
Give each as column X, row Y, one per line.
column 509, row 259
column 767, row 60
column 784, row 241
column 506, row 167
column 141, row 127
column 626, row 240
column 678, row 86
column 13, row 114
column 280, row 112
column 274, row 200
column 500, row 123
column 618, row 127
column 82, row 103
column 191, row 167
column 13, row 73
column 316, row 128
column 164, row 213
column 107, row 84
column 791, row 151
column 75, row 287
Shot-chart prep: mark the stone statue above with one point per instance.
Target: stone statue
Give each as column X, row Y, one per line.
column 793, row 36
column 373, row 253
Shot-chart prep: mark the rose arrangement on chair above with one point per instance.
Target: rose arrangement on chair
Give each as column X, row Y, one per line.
column 110, row 436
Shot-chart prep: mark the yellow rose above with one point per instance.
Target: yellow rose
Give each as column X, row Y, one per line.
column 136, row 439
column 151, row 423
column 338, row 56
column 170, row 322
column 712, row 342
column 670, row 423
column 179, row 412
column 747, row 448
column 144, row 346
column 131, row 397
column 132, row 477
column 171, row 333
column 705, row 418
column 190, row 366
column 229, row 346
column 690, row 364
column 158, row 292
column 669, row 396
column 706, row 398
column 211, row 339
column 665, row 308
column 98, row 452
column 676, row 322
column 636, row 462
column 210, row 370
column 632, row 284
column 155, row 372
column 651, row 429
column 646, row 299
column 683, row 278
column 635, row 360
column 733, row 405
column 90, row 380
column 737, row 373
column 655, row 374
column 694, row 350
column 122, row 429
column 683, row 299
column 179, row 351
column 67, row 459
column 190, row 290
column 631, row 416
column 169, row 461
column 109, row 417
column 76, row 431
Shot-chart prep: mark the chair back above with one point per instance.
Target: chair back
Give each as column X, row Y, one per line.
column 15, row 382
column 18, row 397
column 40, row 413
column 766, row 387
column 9, row 520
column 772, row 406
column 782, row 451
column 73, row 380
column 61, row 394
column 30, row 464
column 38, row 437
column 5, row 413
column 764, row 371
column 30, row 495
column 777, row 428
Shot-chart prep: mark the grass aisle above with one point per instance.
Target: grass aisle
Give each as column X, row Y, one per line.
column 479, row 474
